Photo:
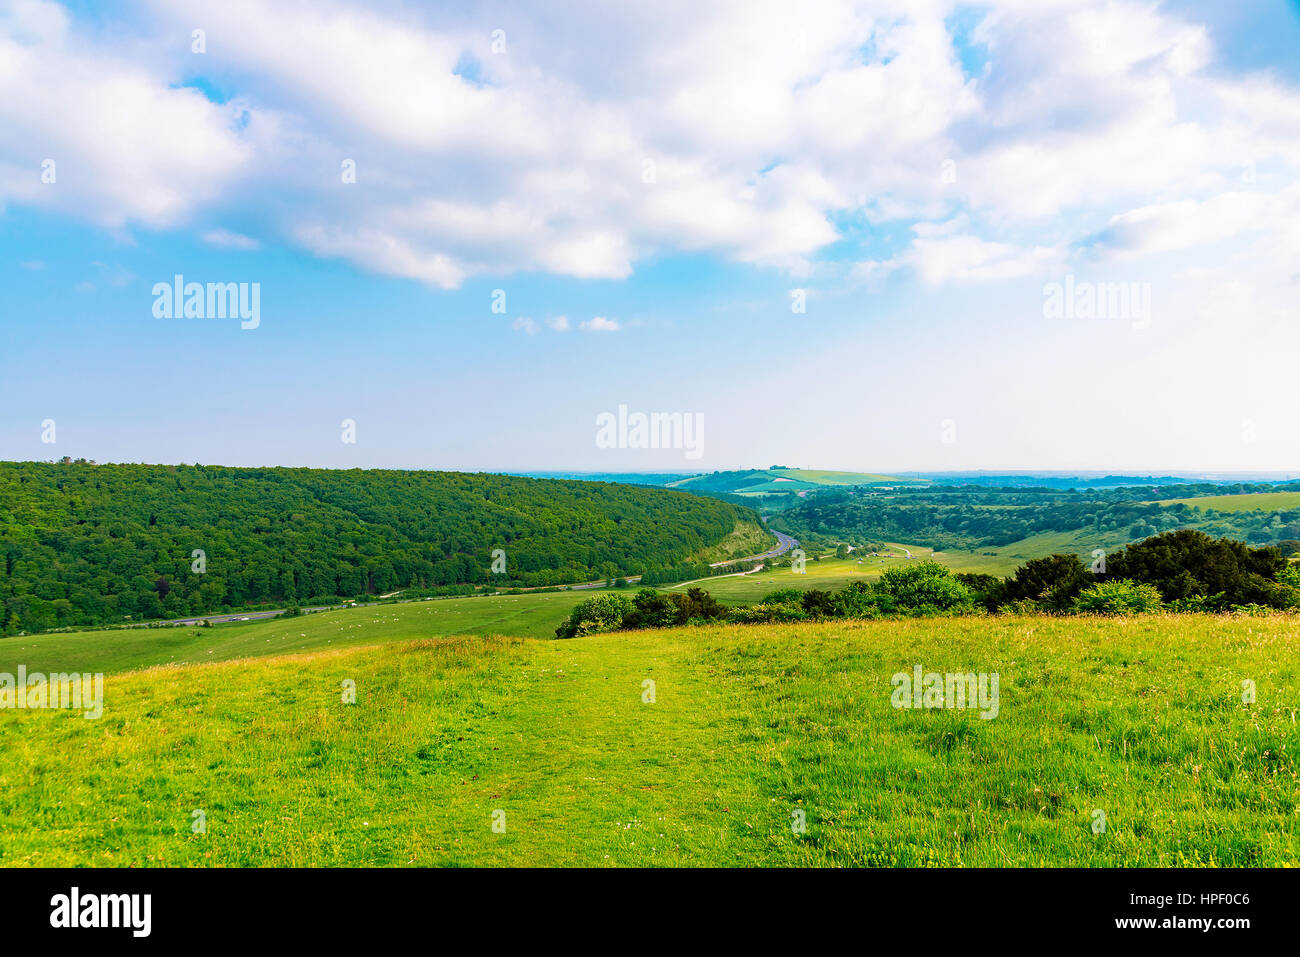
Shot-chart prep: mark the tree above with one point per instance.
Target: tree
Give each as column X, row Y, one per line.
column 1188, row 563
column 1117, row 598
column 597, row 614
column 1054, row 581
column 924, row 586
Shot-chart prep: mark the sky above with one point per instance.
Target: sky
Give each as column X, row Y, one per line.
column 884, row 236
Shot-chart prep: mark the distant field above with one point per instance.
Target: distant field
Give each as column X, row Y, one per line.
column 1270, row 501
column 823, row 477
column 832, row 573
column 1007, row 558
column 829, row 573
column 758, row 483
column 1139, row 719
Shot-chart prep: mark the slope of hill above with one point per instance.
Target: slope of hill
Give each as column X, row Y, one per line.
column 93, row 544
column 723, row 746
column 1270, row 501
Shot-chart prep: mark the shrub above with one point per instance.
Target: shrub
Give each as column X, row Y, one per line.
column 1187, row 562
column 783, row 596
column 922, row 587
column 858, row 599
column 698, row 605
column 766, row 614
column 819, row 604
column 1198, row 603
column 1054, row 582
column 986, row 590
column 652, row 609
column 601, row 613
column 1118, row 598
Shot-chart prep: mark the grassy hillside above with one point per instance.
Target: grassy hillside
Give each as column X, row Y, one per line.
column 1142, row 719
column 88, row 544
column 1270, row 501
column 828, row 573
column 532, row 615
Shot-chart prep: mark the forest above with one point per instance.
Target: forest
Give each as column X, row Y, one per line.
column 966, row 517
column 84, row 544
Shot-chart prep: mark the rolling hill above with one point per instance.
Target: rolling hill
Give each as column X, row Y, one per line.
column 85, row 544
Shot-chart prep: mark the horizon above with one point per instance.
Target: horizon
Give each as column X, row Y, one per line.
column 1210, row 476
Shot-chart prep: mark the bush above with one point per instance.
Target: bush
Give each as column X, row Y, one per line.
column 783, row 596
column 1118, row 598
column 1054, row 582
column 1198, row 603
column 601, row 613
column 922, row 587
column 819, row 604
column 986, row 590
column 766, row 615
column 1187, row 563
column 698, row 605
column 858, row 599
column 652, row 609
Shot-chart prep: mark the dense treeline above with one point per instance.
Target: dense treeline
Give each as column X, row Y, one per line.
column 971, row 517
column 1178, row 571
column 85, row 544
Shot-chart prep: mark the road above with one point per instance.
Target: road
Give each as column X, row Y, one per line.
column 783, row 544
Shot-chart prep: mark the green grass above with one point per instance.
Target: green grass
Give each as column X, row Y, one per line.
column 827, row 574
column 1141, row 718
column 530, row 615
column 1003, row 560
column 1269, row 501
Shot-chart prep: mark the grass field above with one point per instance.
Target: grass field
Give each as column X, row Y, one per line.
column 1141, row 719
column 829, row 573
column 530, row 615
column 1003, row 560
column 1269, row 501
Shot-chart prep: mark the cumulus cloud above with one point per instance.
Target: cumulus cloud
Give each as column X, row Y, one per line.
column 750, row 130
column 599, row 324
column 95, row 134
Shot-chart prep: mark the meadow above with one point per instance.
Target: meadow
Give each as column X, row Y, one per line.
column 744, row 731
column 528, row 615
column 1270, row 501
column 827, row 573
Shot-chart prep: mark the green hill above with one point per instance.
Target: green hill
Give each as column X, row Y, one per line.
column 84, row 544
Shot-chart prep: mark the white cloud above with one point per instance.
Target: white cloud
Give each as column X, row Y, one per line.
column 526, row 324
column 126, row 145
column 559, row 323
column 746, row 129
column 228, row 240
column 599, row 324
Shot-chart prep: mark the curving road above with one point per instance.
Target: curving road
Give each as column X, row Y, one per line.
column 783, row 544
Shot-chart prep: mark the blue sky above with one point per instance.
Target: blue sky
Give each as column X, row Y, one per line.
column 651, row 191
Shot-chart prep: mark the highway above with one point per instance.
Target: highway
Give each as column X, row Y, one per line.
column 783, row 544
